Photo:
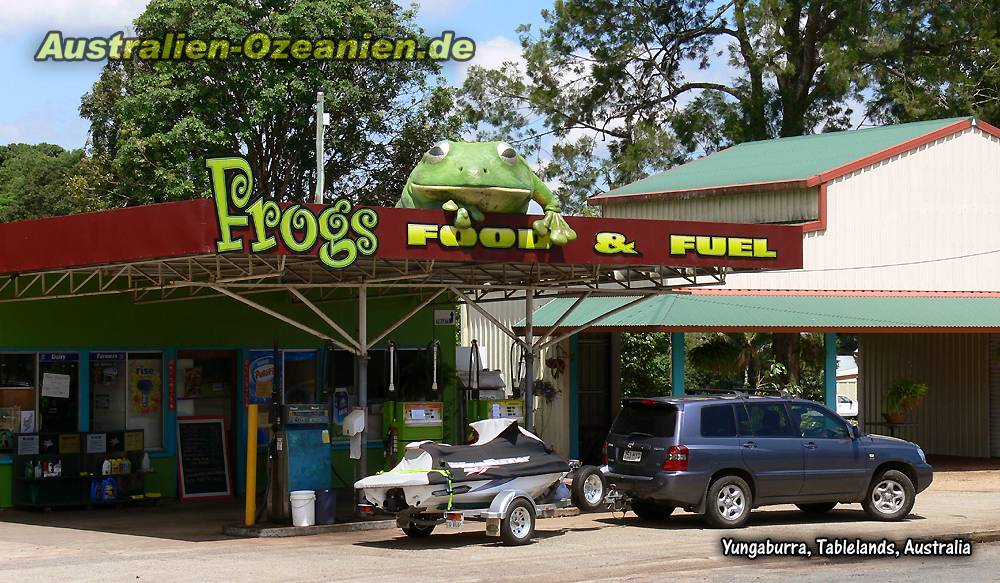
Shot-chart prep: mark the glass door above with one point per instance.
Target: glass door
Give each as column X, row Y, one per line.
column 58, row 406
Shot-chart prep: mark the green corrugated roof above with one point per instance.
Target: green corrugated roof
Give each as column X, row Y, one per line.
column 833, row 312
column 781, row 159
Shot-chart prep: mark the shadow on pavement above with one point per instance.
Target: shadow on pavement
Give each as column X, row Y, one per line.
column 192, row 521
column 761, row 518
column 461, row 539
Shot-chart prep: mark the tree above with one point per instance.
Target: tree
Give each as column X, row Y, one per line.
column 655, row 81
column 935, row 59
column 154, row 122
column 33, row 181
column 645, row 363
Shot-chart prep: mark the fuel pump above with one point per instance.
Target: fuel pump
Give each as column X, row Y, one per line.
column 404, row 417
column 484, row 394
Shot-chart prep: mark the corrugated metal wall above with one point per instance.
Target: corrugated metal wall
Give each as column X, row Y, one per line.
column 954, row 418
column 765, row 207
column 551, row 418
column 994, row 395
column 495, row 344
column 938, row 202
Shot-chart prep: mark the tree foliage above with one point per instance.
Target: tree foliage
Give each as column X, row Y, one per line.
column 33, row 181
column 154, row 122
column 935, row 59
column 652, row 81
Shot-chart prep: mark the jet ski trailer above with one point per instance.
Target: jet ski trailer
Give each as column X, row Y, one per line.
column 507, row 478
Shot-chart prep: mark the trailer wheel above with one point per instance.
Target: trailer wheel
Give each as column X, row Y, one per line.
column 589, row 489
column 418, row 530
column 519, row 525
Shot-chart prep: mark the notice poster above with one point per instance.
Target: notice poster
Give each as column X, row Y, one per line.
column 27, row 444
column 69, row 443
column 133, row 441
column 27, row 421
column 55, row 385
column 260, row 376
column 97, row 442
column 144, row 388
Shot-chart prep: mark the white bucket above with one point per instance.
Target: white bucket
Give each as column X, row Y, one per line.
column 303, row 507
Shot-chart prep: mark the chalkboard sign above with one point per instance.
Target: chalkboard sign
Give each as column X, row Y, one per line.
column 202, row 457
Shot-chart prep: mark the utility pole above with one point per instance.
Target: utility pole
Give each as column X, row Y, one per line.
column 322, row 119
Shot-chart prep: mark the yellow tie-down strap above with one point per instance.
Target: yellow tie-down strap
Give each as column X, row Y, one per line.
column 445, row 473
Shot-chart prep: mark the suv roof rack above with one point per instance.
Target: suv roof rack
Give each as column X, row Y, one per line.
column 742, row 393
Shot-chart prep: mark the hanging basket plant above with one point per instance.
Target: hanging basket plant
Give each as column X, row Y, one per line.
column 545, row 389
column 903, row 397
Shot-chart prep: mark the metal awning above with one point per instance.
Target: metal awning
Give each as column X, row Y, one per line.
column 774, row 310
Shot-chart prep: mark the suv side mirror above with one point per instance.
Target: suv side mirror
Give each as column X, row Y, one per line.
column 855, row 431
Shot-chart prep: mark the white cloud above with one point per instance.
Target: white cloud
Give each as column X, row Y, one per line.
column 71, row 16
column 491, row 54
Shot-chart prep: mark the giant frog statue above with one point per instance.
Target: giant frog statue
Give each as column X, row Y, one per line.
column 473, row 178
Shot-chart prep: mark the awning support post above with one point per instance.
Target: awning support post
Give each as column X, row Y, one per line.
column 529, row 361
column 830, row 370
column 363, row 373
column 677, row 358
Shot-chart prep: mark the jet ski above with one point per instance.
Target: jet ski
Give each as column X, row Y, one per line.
column 435, row 477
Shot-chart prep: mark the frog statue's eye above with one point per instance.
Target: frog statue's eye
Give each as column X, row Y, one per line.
column 438, row 151
column 506, row 153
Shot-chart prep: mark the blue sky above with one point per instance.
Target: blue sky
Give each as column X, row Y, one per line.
column 41, row 100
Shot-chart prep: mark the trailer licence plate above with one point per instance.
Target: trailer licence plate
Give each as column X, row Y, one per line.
column 631, row 456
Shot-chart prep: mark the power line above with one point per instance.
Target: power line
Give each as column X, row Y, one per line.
column 901, row 264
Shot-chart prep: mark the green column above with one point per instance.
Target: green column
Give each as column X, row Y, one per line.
column 677, row 363
column 830, row 370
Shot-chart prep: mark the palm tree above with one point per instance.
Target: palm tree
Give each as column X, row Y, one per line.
column 746, row 355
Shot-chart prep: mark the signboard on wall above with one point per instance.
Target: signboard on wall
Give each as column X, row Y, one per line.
column 251, row 222
column 260, row 377
column 202, row 457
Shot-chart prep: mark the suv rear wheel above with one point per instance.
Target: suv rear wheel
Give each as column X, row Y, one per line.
column 728, row 502
column 890, row 496
column 651, row 512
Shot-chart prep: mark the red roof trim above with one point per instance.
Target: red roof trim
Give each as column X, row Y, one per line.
column 840, row 293
column 792, row 329
column 896, row 150
column 820, row 223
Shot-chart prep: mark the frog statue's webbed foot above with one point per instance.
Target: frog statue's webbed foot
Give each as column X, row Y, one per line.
column 465, row 215
column 555, row 226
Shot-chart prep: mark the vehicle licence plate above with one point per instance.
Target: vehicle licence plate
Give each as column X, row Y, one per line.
column 631, row 456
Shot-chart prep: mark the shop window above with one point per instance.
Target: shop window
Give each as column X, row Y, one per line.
column 127, row 393
column 17, row 394
column 206, row 384
column 58, row 395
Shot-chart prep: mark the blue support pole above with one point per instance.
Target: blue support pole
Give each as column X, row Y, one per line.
column 677, row 363
column 830, row 370
column 83, row 383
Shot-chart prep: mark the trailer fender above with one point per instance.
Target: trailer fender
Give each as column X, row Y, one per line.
column 499, row 507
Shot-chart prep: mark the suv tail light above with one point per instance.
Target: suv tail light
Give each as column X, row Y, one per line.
column 677, row 459
column 604, row 454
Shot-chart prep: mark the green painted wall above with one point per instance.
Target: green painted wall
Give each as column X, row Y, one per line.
column 6, row 485
column 163, row 480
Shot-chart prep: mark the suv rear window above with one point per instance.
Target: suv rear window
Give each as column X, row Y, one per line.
column 652, row 419
column 718, row 421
